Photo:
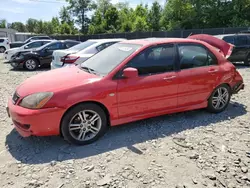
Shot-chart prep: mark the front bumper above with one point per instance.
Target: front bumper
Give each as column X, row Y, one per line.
column 42, row 122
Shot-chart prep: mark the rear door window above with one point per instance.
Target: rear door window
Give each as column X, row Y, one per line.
column 194, row 56
column 241, row 40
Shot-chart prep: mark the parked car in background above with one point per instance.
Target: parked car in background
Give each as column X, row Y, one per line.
column 20, row 43
column 4, row 44
column 42, row 56
column 126, row 82
column 26, row 47
column 80, row 52
column 241, row 50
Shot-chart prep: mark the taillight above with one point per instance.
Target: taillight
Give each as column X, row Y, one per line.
column 69, row 59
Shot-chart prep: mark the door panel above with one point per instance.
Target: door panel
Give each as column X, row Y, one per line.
column 198, row 75
column 147, row 94
column 156, row 86
column 196, row 84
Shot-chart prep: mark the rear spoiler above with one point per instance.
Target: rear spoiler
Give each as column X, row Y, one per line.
column 223, row 46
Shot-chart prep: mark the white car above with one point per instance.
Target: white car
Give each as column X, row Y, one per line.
column 79, row 53
column 4, row 44
column 26, row 47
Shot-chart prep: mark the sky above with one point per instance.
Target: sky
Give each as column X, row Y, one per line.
column 21, row 10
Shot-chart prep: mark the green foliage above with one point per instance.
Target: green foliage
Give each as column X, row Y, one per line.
column 154, row 15
column 79, row 9
column 3, row 23
column 19, row 26
column 110, row 18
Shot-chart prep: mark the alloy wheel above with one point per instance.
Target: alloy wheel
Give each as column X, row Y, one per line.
column 30, row 64
column 85, row 125
column 220, row 98
column 2, row 49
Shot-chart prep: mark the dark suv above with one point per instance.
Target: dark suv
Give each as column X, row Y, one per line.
column 241, row 51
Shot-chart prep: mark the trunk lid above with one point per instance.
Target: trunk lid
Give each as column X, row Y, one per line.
column 224, row 47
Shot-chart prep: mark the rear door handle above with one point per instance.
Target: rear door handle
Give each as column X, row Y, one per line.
column 213, row 71
column 169, row 78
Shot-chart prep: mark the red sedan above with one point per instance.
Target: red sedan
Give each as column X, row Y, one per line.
column 129, row 81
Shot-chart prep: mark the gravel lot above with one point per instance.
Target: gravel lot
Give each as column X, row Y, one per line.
column 191, row 149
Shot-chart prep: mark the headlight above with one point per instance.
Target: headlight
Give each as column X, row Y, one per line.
column 36, row 100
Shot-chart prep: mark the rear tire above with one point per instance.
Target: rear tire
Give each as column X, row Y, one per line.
column 84, row 124
column 31, row 64
column 219, row 99
column 2, row 49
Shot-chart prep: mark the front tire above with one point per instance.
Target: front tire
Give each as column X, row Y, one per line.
column 219, row 99
column 31, row 64
column 84, row 124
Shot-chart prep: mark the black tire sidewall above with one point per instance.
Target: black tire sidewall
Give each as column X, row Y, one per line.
column 210, row 107
column 33, row 60
column 67, row 117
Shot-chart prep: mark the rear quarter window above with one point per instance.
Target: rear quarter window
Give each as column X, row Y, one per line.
column 1, row 40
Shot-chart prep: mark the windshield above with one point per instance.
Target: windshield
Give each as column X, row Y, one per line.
column 106, row 60
column 82, row 45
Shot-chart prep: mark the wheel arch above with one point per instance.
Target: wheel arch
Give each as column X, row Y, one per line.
column 227, row 84
column 105, row 109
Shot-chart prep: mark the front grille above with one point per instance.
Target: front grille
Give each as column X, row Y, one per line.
column 15, row 98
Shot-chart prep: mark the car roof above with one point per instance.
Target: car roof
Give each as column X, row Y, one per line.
column 151, row 41
column 69, row 41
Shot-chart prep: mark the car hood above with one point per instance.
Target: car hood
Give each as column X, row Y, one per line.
column 56, row 80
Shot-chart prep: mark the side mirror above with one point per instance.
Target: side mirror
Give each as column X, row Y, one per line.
column 26, row 47
column 130, row 72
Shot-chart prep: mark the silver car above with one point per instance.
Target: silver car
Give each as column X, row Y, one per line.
column 81, row 52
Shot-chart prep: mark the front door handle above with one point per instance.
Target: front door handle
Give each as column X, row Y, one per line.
column 213, row 71
column 169, row 78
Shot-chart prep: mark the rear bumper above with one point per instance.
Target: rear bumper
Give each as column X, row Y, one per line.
column 237, row 87
column 54, row 66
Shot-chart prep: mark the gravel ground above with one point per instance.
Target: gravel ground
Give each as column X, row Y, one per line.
column 191, row 149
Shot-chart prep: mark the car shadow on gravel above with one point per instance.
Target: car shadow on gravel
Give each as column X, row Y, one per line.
column 39, row 150
column 40, row 69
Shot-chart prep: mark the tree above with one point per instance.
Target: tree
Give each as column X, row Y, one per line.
column 140, row 24
column 56, row 25
column 19, row 26
column 111, row 19
column 65, row 29
column 64, row 15
column 140, row 16
column 3, row 23
column 31, row 25
column 125, row 19
column 79, row 9
column 103, row 6
column 39, row 27
column 178, row 14
column 97, row 24
column 154, row 15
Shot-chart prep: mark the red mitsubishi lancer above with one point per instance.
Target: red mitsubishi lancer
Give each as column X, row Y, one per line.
column 128, row 81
